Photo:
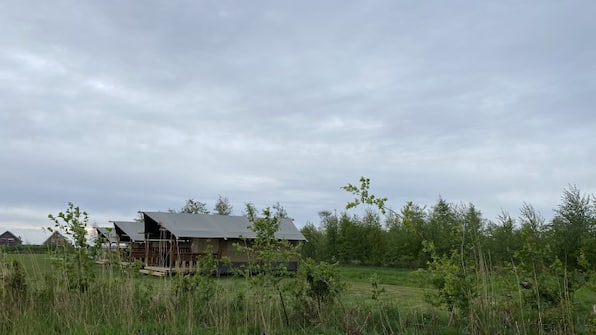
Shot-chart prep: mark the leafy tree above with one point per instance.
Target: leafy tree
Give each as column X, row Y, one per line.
column 268, row 256
column 549, row 283
column 503, row 239
column 330, row 228
column 279, row 211
column 442, row 229
column 535, row 253
column 249, row 210
column 572, row 228
column 350, row 248
column 472, row 237
column 317, row 288
column 192, row 207
column 405, row 236
column 314, row 245
column 223, row 206
column 374, row 241
column 78, row 262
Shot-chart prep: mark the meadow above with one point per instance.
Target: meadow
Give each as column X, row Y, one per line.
column 123, row 301
column 370, row 300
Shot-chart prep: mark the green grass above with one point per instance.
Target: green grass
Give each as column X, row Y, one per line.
column 36, row 265
column 123, row 301
column 385, row 275
column 406, row 288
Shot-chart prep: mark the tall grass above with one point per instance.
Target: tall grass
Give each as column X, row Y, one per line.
column 35, row 299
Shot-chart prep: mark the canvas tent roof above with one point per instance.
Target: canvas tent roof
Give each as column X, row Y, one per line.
column 110, row 235
column 133, row 229
column 183, row 225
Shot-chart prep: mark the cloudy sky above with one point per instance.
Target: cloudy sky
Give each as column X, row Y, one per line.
column 125, row 106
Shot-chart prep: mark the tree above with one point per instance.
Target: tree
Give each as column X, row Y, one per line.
column 313, row 248
column 405, row 236
column 472, row 229
column 572, row 228
column 374, row 238
column 192, row 207
column 280, row 211
column 503, row 239
column 331, row 229
column 443, row 228
column 77, row 263
column 350, row 239
column 223, row 206
column 535, row 253
column 268, row 256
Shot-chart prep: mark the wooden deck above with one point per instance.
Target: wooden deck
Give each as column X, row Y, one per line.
column 163, row 271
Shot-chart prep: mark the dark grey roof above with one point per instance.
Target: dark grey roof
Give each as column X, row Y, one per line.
column 55, row 238
column 110, row 235
column 133, row 229
column 217, row 226
column 9, row 234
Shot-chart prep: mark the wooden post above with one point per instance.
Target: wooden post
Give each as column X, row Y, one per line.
column 147, row 249
column 170, row 255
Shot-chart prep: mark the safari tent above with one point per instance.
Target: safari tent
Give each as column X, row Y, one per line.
column 179, row 240
column 130, row 236
column 108, row 236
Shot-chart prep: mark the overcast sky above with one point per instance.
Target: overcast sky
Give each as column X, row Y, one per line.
column 121, row 106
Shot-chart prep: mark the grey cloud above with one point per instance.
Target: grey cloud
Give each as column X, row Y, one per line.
column 122, row 106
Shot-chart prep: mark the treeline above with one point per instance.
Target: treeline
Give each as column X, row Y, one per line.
column 409, row 238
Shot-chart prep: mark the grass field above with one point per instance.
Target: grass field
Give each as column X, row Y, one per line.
column 36, row 265
column 123, row 301
column 405, row 288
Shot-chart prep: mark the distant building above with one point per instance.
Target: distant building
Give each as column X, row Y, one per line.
column 179, row 240
column 131, row 239
column 8, row 239
column 107, row 235
column 56, row 240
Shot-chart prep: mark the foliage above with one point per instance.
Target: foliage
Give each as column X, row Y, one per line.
column 279, row 211
column 573, row 227
column 453, row 280
column 197, row 290
column 503, row 239
column 313, row 247
column 465, row 252
column 405, row 236
column 330, row 227
column 192, row 206
column 14, row 282
column 316, row 290
column 376, row 290
column 77, row 263
column 363, row 196
column 223, row 206
column 268, row 256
